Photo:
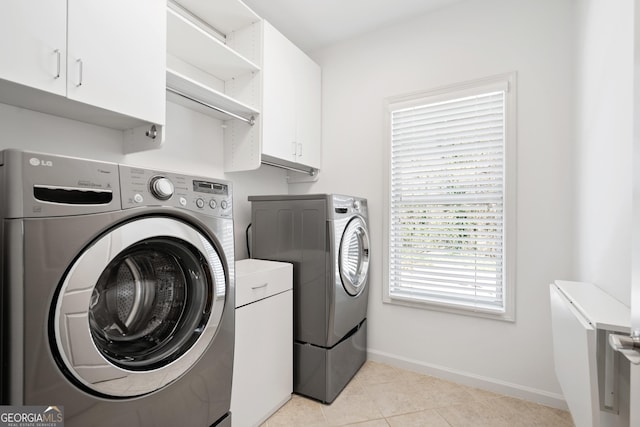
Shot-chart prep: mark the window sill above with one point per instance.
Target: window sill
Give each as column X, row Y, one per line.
column 508, row 316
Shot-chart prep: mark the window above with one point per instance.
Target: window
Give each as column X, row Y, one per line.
column 451, row 199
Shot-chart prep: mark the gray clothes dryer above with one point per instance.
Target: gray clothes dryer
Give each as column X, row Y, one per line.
column 117, row 292
column 326, row 238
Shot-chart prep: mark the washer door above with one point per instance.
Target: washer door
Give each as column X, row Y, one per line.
column 139, row 307
column 354, row 256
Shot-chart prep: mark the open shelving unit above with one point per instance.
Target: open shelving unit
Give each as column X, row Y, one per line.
column 214, row 57
column 215, row 65
column 205, row 70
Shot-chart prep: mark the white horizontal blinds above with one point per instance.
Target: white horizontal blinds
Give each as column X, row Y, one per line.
column 446, row 204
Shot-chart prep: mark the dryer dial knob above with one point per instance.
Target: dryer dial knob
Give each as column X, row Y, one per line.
column 357, row 205
column 161, row 187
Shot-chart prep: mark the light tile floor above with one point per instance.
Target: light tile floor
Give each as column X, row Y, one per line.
column 380, row 396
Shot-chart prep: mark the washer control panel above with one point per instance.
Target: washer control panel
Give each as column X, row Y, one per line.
column 161, row 187
column 146, row 187
column 37, row 185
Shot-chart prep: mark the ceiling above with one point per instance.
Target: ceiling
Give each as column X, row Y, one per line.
column 313, row 24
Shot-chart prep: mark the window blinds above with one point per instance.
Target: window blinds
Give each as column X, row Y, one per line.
column 446, row 202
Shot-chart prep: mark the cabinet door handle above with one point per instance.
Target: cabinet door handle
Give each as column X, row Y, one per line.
column 57, row 52
column 299, row 150
column 79, row 61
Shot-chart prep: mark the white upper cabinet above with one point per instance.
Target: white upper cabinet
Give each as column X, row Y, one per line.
column 278, row 96
column 89, row 60
column 291, row 103
column 116, row 56
column 308, row 111
column 34, row 44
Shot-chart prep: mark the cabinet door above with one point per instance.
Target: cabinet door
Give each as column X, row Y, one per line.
column 263, row 359
column 278, row 97
column 117, row 56
column 308, row 111
column 33, row 47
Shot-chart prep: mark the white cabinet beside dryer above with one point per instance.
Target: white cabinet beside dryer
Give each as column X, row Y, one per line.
column 291, row 102
column 263, row 360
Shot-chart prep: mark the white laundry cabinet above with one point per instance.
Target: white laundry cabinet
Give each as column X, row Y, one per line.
column 263, row 361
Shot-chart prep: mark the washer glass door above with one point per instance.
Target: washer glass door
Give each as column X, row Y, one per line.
column 139, row 307
column 354, row 256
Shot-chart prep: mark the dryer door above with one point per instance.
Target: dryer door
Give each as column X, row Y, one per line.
column 139, row 307
column 354, row 256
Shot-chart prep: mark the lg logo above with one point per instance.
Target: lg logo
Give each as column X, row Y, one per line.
column 37, row 162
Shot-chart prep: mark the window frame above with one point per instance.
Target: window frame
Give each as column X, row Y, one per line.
column 506, row 82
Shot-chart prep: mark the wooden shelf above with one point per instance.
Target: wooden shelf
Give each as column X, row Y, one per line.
column 201, row 93
column 192, row 44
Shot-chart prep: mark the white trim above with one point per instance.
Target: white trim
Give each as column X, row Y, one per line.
column 506, row 388
column 489, row 84
column 505, row 82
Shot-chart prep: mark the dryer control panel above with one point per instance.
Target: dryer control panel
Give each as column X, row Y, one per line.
column 346, row 206
column 147, row 187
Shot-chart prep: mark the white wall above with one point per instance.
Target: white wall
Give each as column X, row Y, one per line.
column 604, row 105
column 193, row 145
column 466, row 41
column 604, row 152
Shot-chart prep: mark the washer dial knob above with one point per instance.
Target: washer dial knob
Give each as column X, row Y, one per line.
column 161, row 187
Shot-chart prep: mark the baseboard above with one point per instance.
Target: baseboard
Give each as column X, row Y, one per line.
column 491, row 384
